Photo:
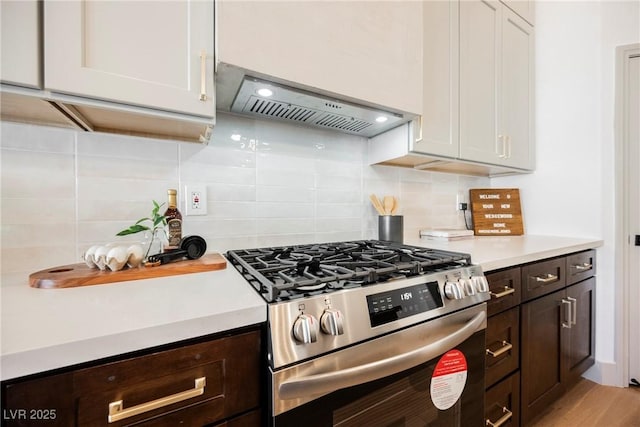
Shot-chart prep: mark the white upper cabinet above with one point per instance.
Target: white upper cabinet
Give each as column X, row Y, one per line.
column 496, row 85
column 517, row 91
column 437, row 132
column 369, row 51
column 479, row 80
column 20, row 46
column 477, row 116
column 152, row 54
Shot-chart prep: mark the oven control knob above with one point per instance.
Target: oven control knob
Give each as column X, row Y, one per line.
column 453, row 290
column 305, row 329
column 467, row 285
column 481, row 283
column 331, row 322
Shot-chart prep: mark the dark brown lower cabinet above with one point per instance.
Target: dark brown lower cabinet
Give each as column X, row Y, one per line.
column 46, row 401
column 250, row 419
column 580, row 344
column 502, row 340
column 199, row 384
column 502, row 403
column 557, row 344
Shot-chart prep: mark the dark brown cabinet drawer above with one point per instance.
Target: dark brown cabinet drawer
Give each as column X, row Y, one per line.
column 250, row 419
column 44, row 401
column 502, row 341
column 502, row 403
column 197, row 384
column 581, row 266
column 505, row 289
column 544, row 277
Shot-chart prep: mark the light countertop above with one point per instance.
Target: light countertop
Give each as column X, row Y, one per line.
column 45, row 329
column 496, row 252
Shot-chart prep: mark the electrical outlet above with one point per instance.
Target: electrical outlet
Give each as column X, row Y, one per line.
column 195, row 200
column 461, row 200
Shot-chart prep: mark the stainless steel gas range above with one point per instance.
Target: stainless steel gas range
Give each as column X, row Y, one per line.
column 371, row 333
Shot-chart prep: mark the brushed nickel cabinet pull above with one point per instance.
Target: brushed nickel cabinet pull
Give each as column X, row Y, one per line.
column 506, row 346
column 584, row 266
column 117, row 411
column 507, row 291
column 500, row 140
column 574, row 310
column 503, row 419
column 203, row 75
column 548, row 279
column 419, row 138
column 567, row 305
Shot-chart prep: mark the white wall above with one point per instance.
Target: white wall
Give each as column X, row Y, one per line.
column 572, row 191
column 63, row 191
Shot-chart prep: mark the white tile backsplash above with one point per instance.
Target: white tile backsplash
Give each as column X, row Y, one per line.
column 284, row 210
column 267, row 184
column 33, row 138
column 37, row 174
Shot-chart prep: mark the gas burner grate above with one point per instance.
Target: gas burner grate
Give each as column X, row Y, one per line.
column 290, row 272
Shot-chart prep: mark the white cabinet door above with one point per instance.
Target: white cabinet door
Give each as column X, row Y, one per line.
column 439, row 123
column 366, row 50
column 20, row 46
column 517, row 91
column 133, row 52
column 496, row 85
column 479, row 80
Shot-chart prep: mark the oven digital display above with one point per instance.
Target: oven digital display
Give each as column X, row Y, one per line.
column 397, row 304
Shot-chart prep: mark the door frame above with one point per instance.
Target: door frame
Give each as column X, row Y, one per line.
column 623, row 230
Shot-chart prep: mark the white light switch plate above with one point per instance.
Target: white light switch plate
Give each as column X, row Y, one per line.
column 195, row 200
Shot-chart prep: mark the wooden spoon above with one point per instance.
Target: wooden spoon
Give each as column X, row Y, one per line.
column 395, row 206
column 388, row 204
column 376, row 204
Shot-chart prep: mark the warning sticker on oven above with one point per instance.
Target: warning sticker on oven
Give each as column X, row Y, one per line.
column 449, row 379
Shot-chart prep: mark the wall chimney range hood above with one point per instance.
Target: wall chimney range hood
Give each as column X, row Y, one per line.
column 241, row 93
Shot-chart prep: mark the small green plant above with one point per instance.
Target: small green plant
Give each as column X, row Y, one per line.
column 158, row 222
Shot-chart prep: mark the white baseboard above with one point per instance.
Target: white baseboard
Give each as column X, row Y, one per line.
column 605, row 373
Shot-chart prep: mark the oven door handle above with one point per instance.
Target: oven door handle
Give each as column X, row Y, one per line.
column 318, row 384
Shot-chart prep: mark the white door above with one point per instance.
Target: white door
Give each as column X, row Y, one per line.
column 135, row 52
column 632, row 95
column 517, row 106
column 440, row 86
column 480, row 23
column 20, row 36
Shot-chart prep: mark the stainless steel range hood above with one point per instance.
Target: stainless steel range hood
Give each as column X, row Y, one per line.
column 242, row 92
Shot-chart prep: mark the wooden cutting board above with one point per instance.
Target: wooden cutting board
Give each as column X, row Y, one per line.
column 72, row 275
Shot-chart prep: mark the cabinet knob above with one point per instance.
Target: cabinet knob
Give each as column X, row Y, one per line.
column 117, row 411
column 507, row 291
column 506, row 417
column 203, row 75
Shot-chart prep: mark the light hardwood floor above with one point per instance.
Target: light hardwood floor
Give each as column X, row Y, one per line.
column 589, row 404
